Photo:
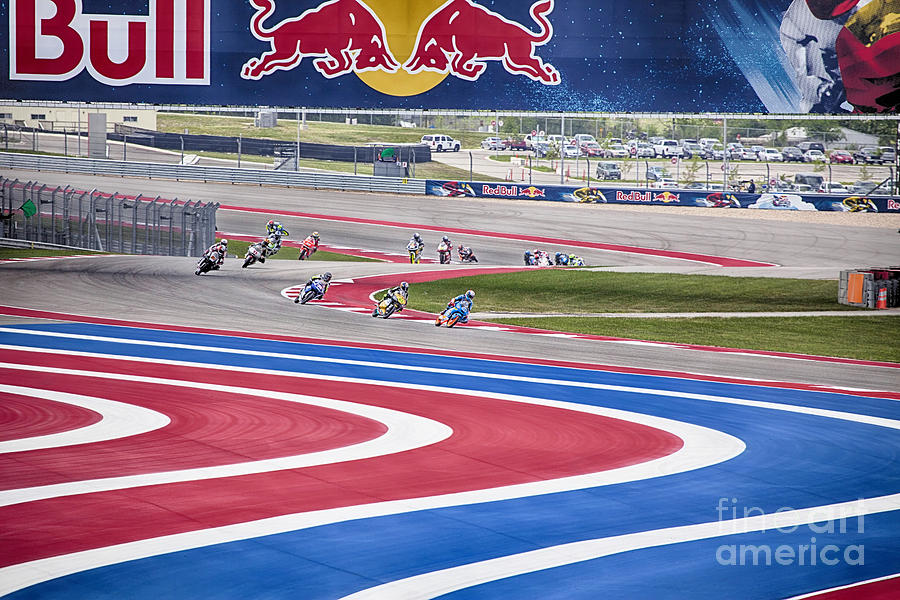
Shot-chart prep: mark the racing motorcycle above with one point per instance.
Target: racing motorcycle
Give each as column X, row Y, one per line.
column 314, row 290
column 451, row 316
column 444, row 253
column 254, row 253
column 415, row 252
column 389, row 305
column 206, row 263
column 467, row 258
column 307, row 248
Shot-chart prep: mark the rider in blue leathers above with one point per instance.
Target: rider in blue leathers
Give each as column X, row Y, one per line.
column 465, row 302
column 324, row 278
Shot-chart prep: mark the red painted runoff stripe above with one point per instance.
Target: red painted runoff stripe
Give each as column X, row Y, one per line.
column 509, row 447
column 207, row 428
column 59, row 316
column 24, row 416
column 692, row 256
column 884, row 589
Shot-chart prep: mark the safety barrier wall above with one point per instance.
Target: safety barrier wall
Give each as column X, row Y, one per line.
column 215, row 174
column 671, row 197
column 95, row 220
column 877, row 287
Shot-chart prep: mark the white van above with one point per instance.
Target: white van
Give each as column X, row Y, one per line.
column 441, row 143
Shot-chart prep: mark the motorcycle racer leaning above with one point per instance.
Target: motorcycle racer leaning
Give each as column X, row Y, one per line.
column 324, row 278
column 395, row 292
column 221, row 247
column 466, row 254
column 465, row 302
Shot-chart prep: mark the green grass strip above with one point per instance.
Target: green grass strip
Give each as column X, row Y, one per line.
column 36, row 252
column 864, row 337
column 239, row 248
column 579, row 291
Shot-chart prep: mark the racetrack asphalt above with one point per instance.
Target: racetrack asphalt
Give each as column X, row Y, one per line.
column 165, row 290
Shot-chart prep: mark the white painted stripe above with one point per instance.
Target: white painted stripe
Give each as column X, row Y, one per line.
column 379, row 364
column 844, row 587
column 405, row 432
column 702, row 447
column 118, row 420
column 438, row 583
column 700, row 443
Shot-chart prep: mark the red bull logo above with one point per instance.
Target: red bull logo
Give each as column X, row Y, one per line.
column 500, row 190
column 634, row 196
column 55, row 40
column 666, row 197
column 461, row 35
column 533, row 192
column 454, row 37
column 344, row 35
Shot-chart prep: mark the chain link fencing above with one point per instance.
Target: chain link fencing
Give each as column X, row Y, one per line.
column 96, row 220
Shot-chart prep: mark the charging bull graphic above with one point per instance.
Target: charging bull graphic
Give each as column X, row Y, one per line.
column 345, row 35
column 461, row 34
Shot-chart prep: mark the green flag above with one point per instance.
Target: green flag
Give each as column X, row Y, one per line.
column 28, row 208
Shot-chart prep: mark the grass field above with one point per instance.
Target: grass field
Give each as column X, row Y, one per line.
column 428, row 170
column 582, row 291
column 864, row 338
column 558, row 291
column 239, row 248
column 28, row 252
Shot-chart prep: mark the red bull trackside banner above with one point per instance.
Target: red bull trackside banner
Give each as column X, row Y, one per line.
column 798, row 56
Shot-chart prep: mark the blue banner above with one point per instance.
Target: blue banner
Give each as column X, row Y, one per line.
column 751, row 56
column 669, row 197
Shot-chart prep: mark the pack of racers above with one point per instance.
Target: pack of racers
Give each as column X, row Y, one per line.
column 272, row 243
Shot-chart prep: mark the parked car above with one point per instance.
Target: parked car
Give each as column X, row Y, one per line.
column 591, row 149
column 867, row 187
column 692, row 149
column 841, row 157
column 616, row 151
column 747, row 154
column 492, row 143
column 813, row 156
column 709, row 141
column 655, row 173
column 758, row 150
column 770, row 155
column 714, row 151
column 571, row 151
column 792, row 154
column 556, row 140
column 870, row 155
column 836, row 188
column 441, row 143
column 531, row 140
column 814, row 181
column 584, row 138
column 667, row 148
column 888, row 155
column 806, row 146
column 666, row 182
column 608, row 170
column 513, row 144
column 541, row 148
column 645, row 150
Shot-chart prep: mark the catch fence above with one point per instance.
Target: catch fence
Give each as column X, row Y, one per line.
column 108, row 222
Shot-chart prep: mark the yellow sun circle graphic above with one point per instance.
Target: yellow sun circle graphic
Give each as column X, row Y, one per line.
column 401, row 19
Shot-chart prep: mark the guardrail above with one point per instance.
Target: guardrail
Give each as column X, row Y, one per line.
column 331, row 181
column 31, row 245
column 94, row 220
